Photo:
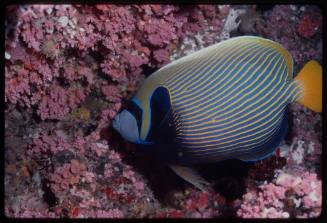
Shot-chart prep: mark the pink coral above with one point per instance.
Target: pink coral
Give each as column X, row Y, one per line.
column 114, row 69
column 108, row 170
column 308, row 25
column 114, row 156
column 60, row 57
column 129, row 174
column 139, row 186
column 159, row 32
column 59, row 102
column 79, row 144
column 68, row 175
column 54, row 32
column 45, row 144
column 112, row 213
column 161, row 55
column 17, row 88
column 111, row 93
column 281, row 25
column 272, row 199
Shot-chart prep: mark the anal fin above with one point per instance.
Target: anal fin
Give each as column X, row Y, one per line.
column 192, row 176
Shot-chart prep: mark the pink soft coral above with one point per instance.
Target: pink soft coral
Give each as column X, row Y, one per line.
column 308, row 25
column 287, row 193
column 59, row 102
column 68, row 175
column 45, row 144
column 55, row 44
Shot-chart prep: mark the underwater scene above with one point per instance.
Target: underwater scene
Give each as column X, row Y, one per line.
column 163, row 111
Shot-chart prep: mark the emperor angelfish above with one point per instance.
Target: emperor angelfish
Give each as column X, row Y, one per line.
column 226, row 101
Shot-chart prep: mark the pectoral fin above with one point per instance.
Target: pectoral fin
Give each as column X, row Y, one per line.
column 192, row 176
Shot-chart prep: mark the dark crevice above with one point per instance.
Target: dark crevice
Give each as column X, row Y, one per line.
column 48, row 196
column 147, row 70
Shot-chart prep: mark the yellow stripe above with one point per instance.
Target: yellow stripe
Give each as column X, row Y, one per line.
column 276, row 114
column 231, row 62
column 196, row 61
column 201, row 109
column 169, row 71
column 265, row 45
column 262, row 136
column 253, row 123
column 243, row 89
column 287, row 56
column 177, row 68
column 239, row 149
column 285, row 77
column 233, row 111
column 281, row 50
column 241, row 111
column 257, row 142
column 198, row 76
column 217, row 99
column 176, row 88
column 201, row 54
column 246, row 94
column 299, row 88
column 238, row 123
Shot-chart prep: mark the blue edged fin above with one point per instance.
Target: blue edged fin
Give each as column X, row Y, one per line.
column 268, row 148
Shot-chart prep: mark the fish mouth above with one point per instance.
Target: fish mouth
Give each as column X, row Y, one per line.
column 116, row 123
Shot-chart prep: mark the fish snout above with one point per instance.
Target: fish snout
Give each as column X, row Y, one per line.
column 116, row 123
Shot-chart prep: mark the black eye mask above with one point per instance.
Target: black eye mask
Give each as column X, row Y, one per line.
column 160, row 105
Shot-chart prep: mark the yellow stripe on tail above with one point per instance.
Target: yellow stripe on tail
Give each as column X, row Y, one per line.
column 310, row 77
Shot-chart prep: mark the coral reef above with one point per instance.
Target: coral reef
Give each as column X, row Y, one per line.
column 54, row 52
column 70, row 68
column 293, row 25
column 287, row 196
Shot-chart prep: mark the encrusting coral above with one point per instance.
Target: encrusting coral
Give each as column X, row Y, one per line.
column 70, row 68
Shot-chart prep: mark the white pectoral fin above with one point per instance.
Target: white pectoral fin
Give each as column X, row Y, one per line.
column 191, row 176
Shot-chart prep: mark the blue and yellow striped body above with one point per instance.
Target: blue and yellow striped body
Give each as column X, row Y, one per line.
column 230, row 99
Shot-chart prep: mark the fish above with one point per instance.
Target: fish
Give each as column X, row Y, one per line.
column 226, row 101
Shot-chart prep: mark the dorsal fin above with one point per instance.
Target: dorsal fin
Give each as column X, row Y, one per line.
column 230, row 43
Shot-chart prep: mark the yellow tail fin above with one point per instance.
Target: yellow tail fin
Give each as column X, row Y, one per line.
column 310, row 77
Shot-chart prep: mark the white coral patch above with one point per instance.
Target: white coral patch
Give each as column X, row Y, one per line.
column 297, row 202
column 311, row 147
column 102, row 146
column 7, row 56
column 285, row 215
column 230, row 23
column 313, row 196
column 49, row 10
column 298, row 153
column 284, row 177
column 284, row 149
column 63, row 20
